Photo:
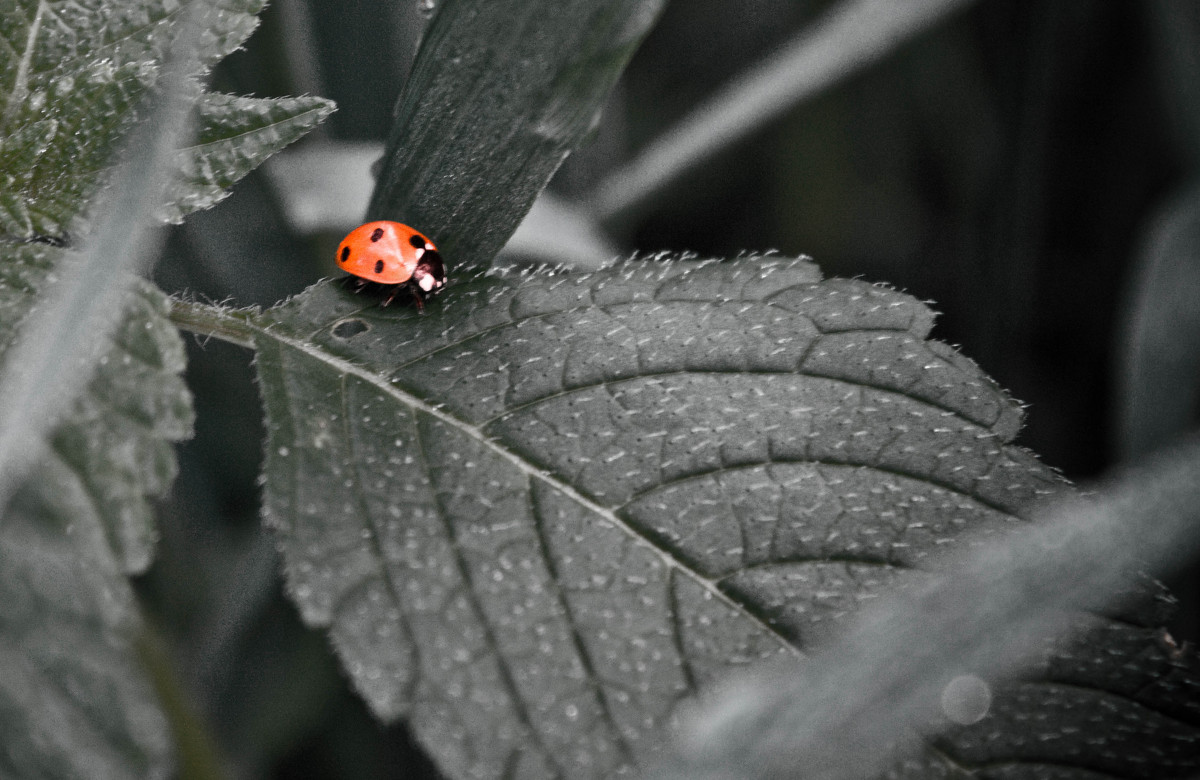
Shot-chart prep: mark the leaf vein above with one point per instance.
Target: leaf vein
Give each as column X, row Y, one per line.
column 581, row 648
column 519, row 704
column 606, row 383
column 925, row 478
column 417, row 404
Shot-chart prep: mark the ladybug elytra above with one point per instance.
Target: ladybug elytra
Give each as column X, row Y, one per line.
column 395, row 256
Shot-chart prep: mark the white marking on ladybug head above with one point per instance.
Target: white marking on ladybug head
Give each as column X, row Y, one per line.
column 420, row 251
column 427, row 283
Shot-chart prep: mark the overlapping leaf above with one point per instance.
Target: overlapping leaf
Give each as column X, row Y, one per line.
column 234, row 136
column 74, row 702
column 542, row 515
column 500, row 93
column 71, row 77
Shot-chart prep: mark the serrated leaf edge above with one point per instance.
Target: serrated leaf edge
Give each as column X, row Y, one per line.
column 323, row 107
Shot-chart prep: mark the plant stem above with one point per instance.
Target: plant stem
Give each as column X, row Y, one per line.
column 852, row 35
column 232, row 325
column 197, row 753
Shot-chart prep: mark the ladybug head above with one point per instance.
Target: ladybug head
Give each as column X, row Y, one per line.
column 430, row 273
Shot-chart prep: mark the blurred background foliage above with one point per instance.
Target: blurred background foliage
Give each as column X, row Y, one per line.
column 1029, row 167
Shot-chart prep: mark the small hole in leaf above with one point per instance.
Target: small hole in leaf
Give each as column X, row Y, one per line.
column 350, row 328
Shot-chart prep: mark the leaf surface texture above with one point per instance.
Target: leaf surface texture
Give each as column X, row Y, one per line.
column 540, row 516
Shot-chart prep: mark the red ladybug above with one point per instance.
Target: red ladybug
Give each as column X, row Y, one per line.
column 395, row 256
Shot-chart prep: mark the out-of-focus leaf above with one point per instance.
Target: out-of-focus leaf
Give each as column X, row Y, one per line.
column 326, row 186
column 1159, row 372
column 92, row 398
column 119, row 439
column 542, row 515
column 854, row 33
column 555, row 231
column 500, row 93
column 73, row 700
column 1007, row 610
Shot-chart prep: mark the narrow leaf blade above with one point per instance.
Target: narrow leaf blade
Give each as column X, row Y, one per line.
column 501, row 92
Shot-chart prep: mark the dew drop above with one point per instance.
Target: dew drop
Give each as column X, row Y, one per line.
column 966, row 699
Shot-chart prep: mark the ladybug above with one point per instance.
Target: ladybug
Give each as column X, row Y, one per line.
column 395, row 256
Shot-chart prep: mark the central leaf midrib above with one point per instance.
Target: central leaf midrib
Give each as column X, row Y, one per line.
column 523, row 465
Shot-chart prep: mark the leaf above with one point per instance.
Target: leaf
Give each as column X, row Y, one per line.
column 236, row 134
column 73, row 702
column 73, row 699
column 71, row 79
column 1008, row 610
column 74, row 78
column 543, row 515
column 500, row 93
column 852, row 35
column 1158, row 377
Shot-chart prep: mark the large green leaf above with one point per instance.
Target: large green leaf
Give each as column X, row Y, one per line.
column 543, row 515
column 500, row 93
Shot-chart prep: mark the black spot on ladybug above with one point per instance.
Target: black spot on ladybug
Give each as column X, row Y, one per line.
column 417, row 242
column 345, row 253
column 376, row 235
column 378, row 266
column 350, row 328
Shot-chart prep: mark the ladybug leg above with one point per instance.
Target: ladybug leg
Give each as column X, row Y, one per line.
column 391, row 295
column 354, row 283
column 415, row 292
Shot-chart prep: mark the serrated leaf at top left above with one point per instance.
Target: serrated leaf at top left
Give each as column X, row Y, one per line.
column 72, row 77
